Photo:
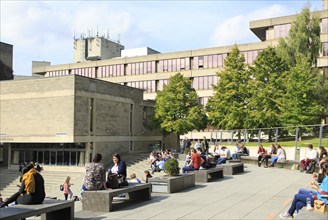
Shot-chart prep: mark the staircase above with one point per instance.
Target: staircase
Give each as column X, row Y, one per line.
column 56, row 175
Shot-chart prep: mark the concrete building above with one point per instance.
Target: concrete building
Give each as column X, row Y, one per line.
column 6, row 61
column 64, row 120
column 151, row 72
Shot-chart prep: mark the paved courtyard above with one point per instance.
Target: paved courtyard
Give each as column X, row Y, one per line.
column 258, row 193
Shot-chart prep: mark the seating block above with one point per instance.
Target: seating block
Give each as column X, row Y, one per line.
column 102, row 200
column 208, row 175
column 232, row 168
column 50, row 209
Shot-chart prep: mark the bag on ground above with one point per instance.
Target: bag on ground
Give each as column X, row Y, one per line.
column 319, row 206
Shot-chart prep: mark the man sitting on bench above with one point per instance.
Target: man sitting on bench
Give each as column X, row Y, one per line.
column 31, row 190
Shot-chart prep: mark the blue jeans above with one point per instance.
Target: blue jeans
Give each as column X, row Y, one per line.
column 221, row 160
column 299, row 200
column 187, row 168
column 274, row 160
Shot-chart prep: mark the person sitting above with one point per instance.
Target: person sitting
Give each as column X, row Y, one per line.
column 261, row 153
column 95, row 176
column 273, row 152
column 323, row 153
column 147, row 176
column 310, row 157
column 216, row 152
column 281, row 155
column 200, row 151
column 224, row 155
column 134, row 179
column 317, row 191
column 241, row 151
column 117, row 170
column 194, row 163
column 31, row 190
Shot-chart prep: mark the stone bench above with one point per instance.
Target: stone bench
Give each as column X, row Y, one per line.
column 208, row 175
column 50, row 209
column 171, row 184
column 102, row 200
column 287, row 164
column 232, row 168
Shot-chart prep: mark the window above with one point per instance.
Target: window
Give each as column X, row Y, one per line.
column 324, row 25
column 325, row 48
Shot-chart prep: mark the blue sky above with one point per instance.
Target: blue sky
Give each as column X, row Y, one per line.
column 43, row 30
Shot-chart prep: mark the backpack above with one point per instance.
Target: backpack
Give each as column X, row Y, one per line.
column 61, row 188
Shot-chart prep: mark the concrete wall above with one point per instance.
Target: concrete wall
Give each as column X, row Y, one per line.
column 38, row 110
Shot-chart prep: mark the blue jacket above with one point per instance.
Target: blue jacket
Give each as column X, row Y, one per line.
column 121, row 168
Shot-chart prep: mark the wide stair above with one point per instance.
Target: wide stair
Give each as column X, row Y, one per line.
column 54, row 176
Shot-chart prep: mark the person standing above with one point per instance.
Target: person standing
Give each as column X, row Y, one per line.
column 204, row 145
column 67, row 188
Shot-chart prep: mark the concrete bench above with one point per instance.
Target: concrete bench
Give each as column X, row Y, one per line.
column 233, row 161
column 50, row 209
column 287, row 164
column 208, row 175
column 102, row 200
column 172, row 184
column 232, row 168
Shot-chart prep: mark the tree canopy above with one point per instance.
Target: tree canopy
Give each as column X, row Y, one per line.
column 177, row 108
column 227, row 108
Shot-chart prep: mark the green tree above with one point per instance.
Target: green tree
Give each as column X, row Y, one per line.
column 321, row 94
column 299, row 104
column 177, row 109
column 227, row 108
column 303, row 38
column 266, row 90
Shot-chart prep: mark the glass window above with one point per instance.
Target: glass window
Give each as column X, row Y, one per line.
column 325, row 49
column 324, row 25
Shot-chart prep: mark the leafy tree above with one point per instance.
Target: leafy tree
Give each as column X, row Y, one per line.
column 266, row 90
column 177, row 109
column 299, row 104
column 227, row 108
column 303, row 39
column 321, row 94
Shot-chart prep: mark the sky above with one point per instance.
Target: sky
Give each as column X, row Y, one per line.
column 44, row 30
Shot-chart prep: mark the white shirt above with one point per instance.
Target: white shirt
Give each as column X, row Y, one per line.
column 311, row 154
column 281, row 154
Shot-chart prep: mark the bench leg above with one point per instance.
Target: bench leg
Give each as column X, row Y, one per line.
column 143, row 194
column 66, row 213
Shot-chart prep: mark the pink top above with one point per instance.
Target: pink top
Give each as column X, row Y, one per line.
column 66, row 188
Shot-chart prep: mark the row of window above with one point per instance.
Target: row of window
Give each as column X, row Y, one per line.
column 160, row 66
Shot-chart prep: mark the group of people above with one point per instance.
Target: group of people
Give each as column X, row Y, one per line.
column 95, row 178
column 158, row 159
column 318, row 188
column 276, row 153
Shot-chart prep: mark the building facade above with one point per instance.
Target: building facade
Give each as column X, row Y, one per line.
column 6, row 61
column 151, row 72
column 64, row 120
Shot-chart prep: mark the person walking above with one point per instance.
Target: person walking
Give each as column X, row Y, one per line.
column 67, row 188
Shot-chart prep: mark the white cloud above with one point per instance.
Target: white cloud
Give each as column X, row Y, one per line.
column 236, row 29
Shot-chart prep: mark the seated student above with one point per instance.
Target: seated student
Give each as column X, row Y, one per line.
column 200, row 151
column 323, row 153
column 311, row 156
column 261, row 153
column 95, row 176
column 216, row 152
column 241, row 151
column 147, row 176
column 281, row 155
column 194, row 163
column 118, row 169
column 315, row 193
column 224, row 155
column 134, row 179
column 273, row 152
column 31, row 190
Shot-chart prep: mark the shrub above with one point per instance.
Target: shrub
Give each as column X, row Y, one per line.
column 171, row 167
column 186, row 151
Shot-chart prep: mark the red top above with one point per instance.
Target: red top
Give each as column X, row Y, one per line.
column 261, row 151
column 196, row 160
